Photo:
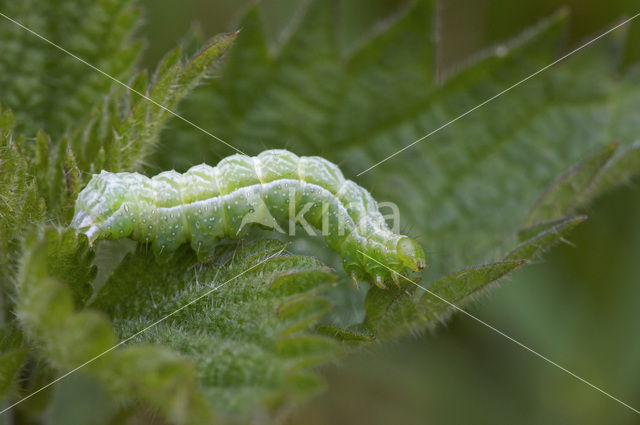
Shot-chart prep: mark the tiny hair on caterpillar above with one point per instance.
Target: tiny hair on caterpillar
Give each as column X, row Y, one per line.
column 206, row 203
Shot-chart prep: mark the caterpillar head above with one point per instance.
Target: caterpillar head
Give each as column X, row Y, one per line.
column 408, row 255
column 411, row 254
column 380, row 264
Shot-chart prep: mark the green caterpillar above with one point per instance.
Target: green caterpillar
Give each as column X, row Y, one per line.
column 208, row 203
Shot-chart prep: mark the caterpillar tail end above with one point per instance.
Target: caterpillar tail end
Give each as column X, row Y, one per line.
column 85, row 224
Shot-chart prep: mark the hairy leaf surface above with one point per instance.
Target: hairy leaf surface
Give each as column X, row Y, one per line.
column 251, row 337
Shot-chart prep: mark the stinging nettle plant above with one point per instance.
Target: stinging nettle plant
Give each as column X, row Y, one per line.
column 486, row 194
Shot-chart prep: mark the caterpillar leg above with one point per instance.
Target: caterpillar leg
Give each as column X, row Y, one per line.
column 354, row 279
column 163, row 250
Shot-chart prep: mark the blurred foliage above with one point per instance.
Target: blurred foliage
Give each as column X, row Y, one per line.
column 352, row 81
column 471, row 25
column 50, row 90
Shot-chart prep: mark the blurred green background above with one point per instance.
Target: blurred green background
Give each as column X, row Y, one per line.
column 578, row 307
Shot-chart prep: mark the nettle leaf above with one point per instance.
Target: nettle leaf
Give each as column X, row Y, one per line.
column 20, row 205
column 90, row 122
column 622, row 166
column 139, row 121
column 121, row 131
column 538, row 238
column 48, row 88
column 465, row 191
column 251, row 339
column 395, row 312
column 568, row 191
column 12, row 357
column 69, row 260
column 67, row 338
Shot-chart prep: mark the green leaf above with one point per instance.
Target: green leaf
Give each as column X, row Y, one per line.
column 70, row 260
column 119, row 132
column 127, row 125
column 619, row 170
column 12, row 357
column 355, row 333
column 49, row 88
column 397, row 311
column 462, row 286
column 20, row 205
column 545, row 236
column 96, row 123
column 567, row 192
column 66, row 339
column 251, row 338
